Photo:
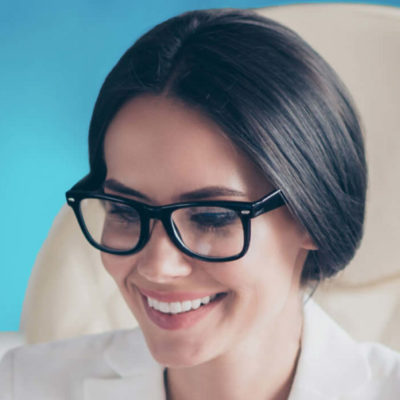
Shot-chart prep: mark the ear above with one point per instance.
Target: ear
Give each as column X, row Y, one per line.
column 307, row 242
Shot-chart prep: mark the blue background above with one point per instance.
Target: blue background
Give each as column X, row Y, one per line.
column 54, row 57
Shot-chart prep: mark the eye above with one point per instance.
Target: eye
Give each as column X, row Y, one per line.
column 122, row 212
column 214, row 219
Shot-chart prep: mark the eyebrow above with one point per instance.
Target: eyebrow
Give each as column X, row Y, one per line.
column 200, row 194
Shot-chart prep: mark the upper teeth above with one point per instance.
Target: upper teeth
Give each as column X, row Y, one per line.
column 178, row 307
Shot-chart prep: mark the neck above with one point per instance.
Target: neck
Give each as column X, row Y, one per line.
column 261, row 367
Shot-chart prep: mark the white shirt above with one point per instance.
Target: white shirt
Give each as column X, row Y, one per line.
column 118, row 365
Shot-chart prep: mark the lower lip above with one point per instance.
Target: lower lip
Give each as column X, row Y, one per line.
column 182, row 320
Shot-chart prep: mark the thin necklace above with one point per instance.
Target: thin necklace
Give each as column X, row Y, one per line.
column 166, row 384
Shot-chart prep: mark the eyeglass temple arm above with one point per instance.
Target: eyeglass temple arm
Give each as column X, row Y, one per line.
column 269, row 203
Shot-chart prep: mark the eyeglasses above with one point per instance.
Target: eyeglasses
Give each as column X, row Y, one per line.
column 214, row 231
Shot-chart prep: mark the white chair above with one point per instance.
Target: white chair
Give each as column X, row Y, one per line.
column 70, row 294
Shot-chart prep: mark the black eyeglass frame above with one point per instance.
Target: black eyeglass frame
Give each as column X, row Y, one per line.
column 245, row 210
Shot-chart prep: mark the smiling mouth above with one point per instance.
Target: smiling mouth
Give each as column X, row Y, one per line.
column 179, row 307
column 175, row 318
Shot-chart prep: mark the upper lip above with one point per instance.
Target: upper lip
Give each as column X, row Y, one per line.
column 175, row 296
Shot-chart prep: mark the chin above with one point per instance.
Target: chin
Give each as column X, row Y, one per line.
column 175, row 354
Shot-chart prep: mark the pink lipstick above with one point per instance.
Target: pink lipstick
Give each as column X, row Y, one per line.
column 181, row 320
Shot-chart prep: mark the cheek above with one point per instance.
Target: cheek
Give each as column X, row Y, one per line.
column 275, row 259
column 278, row 239
column 117, row 266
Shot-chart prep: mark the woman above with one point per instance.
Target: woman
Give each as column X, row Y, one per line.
column 227, row 174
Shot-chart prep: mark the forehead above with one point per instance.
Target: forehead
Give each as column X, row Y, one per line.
column 159, row 145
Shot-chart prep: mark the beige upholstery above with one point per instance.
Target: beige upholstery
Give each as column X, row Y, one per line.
column 70, row 294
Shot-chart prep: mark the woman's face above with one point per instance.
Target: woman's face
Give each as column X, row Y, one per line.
column 163, row 149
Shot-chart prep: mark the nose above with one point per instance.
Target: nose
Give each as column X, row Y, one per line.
column 160, row 261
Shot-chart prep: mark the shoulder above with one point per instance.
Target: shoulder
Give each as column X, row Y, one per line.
column 332, row 363
column 383, row 379
column 75, row 348
column 382, row 359
column 58, row 368
column 384, row 366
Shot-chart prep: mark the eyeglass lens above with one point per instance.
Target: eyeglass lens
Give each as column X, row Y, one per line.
column 208, row 231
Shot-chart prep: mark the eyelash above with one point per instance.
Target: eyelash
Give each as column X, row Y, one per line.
column 123, row 212
column 222, row 224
